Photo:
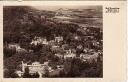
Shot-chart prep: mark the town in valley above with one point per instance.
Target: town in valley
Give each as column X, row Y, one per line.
column 62, row 42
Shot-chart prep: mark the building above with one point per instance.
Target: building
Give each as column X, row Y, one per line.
column 17, row 48
column 79, row 47
column 85, row 50
column 21, row 50
column 19, row 73
column 41, row 69
column 59, row 55
column 14, row 46
column 39, row 40
column 56, row 72
column 58, row 39
column 89, row 58
column 69, row 54
column 34, row 42
column 35, row 67
column 56, row 49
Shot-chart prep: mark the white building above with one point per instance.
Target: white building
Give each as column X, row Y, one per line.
column 19, row 73
column 69, row 54
column 89, row 58
column 16, row 46
column 59, row 55
column 79, row 47
column 34, row 42
column 35, row 67
column 39, row 40
column 58, row 39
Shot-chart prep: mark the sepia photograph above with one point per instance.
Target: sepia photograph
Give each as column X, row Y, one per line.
column 53, row 41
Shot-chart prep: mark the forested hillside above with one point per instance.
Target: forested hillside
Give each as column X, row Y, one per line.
column 24, row 24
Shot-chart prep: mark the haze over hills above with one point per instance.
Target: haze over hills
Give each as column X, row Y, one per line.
column 92, row 13
column 54, row 8
column 81, row 16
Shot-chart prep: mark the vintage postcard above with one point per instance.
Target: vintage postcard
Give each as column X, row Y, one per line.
column 56, row 41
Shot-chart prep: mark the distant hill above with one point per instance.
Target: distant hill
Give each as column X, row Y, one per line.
column 86, row 13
